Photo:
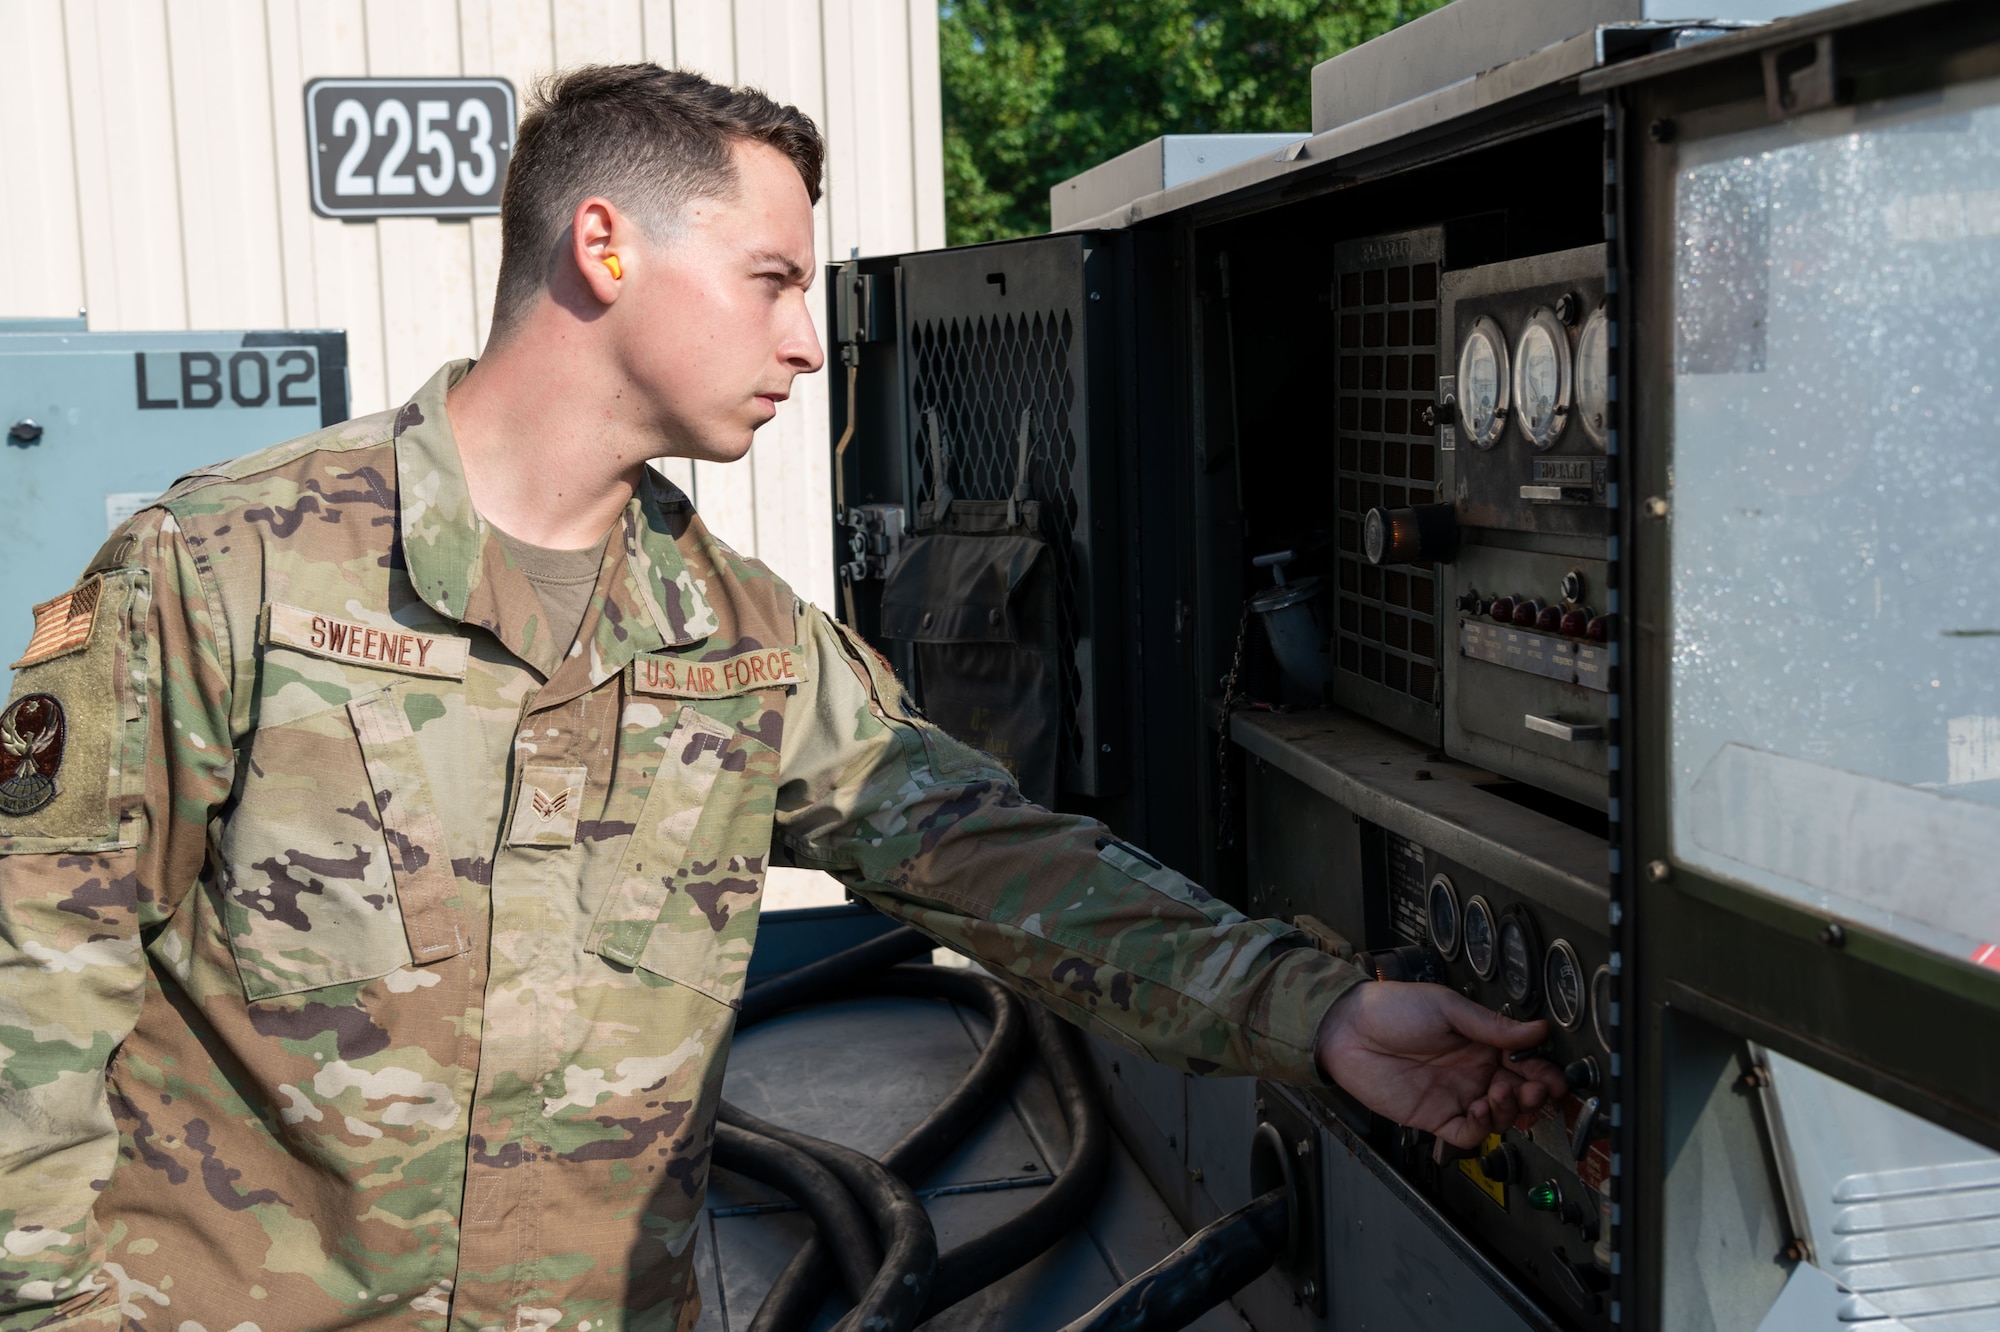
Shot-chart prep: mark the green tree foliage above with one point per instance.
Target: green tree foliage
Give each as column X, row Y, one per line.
column 1038, row 90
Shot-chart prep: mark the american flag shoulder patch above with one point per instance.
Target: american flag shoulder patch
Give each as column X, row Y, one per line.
column 64, row 625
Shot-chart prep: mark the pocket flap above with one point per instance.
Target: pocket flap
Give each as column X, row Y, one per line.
column 957, row 589
column 426, row 888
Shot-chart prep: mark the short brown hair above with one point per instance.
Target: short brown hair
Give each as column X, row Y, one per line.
column 651, row 140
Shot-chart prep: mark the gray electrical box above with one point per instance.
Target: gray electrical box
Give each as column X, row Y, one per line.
column 93, row 426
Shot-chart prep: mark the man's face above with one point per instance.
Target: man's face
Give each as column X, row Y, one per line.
column 720, row 326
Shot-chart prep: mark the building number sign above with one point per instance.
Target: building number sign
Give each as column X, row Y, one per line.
column 408, row 147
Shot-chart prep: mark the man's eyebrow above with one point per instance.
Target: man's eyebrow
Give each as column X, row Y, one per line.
column 791, row 266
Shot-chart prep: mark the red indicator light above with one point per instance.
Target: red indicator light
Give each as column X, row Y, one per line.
column 1501, row 609
column 1575, row 622
column 1599, row 629
column 1550, row 619
column 1526, row 613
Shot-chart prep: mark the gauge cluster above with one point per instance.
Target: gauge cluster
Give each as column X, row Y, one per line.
column 1527, row 413
column 1499, row 956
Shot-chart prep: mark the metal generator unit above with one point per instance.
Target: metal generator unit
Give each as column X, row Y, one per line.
column 1534, row 534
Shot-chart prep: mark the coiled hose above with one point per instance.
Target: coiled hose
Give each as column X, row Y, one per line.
column 873, row 1233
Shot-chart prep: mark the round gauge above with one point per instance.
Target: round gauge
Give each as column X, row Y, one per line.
column 1593, row 377
column 1441, row 914
column 1601, row 1003
column 1520, row 958
column 1479, row 937
column 1482, row 383
column 1562, row 981
column 1541, row 378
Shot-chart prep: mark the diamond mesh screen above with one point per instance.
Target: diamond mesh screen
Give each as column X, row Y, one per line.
column 979, row 375
column 1387, row 294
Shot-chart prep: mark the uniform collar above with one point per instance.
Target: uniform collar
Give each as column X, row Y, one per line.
column 646, row 598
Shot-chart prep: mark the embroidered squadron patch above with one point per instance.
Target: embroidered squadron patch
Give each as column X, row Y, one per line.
column 64, row 625
column 31, row 753
column 677, row 677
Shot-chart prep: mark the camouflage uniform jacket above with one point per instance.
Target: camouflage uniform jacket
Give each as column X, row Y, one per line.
column 375, row 960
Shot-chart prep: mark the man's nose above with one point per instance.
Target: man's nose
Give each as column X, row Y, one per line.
column 802, row 351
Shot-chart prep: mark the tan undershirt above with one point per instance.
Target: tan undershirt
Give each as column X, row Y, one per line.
column 562, row 579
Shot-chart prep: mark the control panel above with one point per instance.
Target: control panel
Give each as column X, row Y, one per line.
column 1535, row 1190
column 1528, row 603
column 1408, row 863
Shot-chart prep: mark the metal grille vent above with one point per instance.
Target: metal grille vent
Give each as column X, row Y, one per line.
column 1387, row 294
column 979, row 374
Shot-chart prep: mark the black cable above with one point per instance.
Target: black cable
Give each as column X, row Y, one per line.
column 797, row 1293
column 1217, row 1261
column 817, row 1190
column 1032, row 1231
column 895, row 1298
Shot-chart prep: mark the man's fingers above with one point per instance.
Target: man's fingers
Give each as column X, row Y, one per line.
column 1468, row 1130
column 1541, row 1076
column 1489, row 1028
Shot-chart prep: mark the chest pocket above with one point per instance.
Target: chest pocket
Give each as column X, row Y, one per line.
column 334, row 864
column 683, row 904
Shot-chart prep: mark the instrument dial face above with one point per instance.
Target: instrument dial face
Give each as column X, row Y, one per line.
column 1520, row 963
column 1479, row 944
column 1601, row 1000
column 1593, row 378
column 1562, row 979
column 1542, row 378
column 1441, row 914
column 1483, row 383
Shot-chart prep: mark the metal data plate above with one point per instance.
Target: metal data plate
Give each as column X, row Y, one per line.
column 117, row 417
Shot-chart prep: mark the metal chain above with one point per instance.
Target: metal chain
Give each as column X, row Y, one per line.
column 1225, row 835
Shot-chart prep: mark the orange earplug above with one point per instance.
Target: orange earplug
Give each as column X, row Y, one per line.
column 617, row 269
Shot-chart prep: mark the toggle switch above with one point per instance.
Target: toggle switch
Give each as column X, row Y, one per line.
column 1587, row 1128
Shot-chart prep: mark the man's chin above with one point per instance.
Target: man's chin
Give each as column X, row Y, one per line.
column 715, row 450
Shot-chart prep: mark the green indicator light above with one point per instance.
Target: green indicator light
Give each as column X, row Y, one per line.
column 1545, row 1197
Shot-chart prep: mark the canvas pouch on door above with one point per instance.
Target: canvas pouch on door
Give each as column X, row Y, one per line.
column 975, row 593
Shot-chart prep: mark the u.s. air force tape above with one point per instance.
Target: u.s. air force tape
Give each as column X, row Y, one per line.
column 394, row 648
column 724, row 677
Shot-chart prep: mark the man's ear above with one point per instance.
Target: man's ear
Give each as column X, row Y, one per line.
column 594, row 232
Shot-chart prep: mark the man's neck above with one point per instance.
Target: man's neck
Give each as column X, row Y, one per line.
column 544, row 459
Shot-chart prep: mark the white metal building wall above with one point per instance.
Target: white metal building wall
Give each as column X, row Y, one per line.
column 153, row 170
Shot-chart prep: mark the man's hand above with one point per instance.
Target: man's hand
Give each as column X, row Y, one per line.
column 1432, row 1059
